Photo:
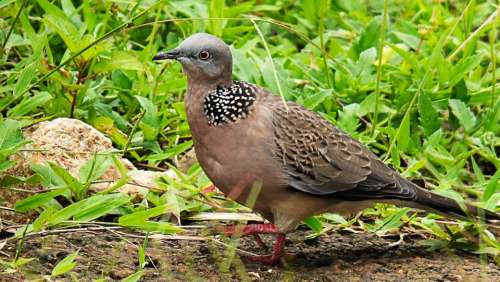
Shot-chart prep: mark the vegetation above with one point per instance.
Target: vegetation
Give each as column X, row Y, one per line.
column 416, row 81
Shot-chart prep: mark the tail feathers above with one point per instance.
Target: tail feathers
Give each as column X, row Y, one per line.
column 447, row 206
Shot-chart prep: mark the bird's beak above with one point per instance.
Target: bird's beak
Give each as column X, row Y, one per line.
column 170, row 55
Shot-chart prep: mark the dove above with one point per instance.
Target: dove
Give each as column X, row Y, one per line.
column 244, row 136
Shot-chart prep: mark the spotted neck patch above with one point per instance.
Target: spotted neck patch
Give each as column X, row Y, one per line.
column 229, row 104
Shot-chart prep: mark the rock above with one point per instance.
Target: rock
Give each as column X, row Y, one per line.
column 70, row 143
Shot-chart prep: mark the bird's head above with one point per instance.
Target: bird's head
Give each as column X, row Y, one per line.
column 204, row 57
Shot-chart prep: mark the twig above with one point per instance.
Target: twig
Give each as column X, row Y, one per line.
column 474, row 34
column 7, row 209
column 188, row 238
column 151, row 167
column 397, row 243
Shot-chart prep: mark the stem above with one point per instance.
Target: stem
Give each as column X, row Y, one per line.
column 275, row 73
column 322, row 43
column 13, row 24
column 493, row 36
column 490, row 19
column 379, row 67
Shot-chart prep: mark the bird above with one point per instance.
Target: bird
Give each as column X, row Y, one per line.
column 244, row 136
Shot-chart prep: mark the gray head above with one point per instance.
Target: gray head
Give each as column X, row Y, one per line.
column 204, row 57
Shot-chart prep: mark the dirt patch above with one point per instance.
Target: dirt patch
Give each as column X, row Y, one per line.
column 331, row 257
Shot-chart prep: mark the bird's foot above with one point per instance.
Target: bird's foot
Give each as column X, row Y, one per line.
column 275, row 257
column 254, row 230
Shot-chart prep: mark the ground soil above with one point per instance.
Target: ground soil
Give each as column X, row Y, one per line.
column 337, row 256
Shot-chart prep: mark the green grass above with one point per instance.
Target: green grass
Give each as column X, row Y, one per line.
column 416, row 81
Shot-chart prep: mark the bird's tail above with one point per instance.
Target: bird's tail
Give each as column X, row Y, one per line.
column 432, row 202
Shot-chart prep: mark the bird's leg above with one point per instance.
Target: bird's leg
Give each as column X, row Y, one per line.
column 275, row 256
column 255, row 229
column 231, row 230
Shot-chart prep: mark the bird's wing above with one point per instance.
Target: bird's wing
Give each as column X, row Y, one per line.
column 321, row 159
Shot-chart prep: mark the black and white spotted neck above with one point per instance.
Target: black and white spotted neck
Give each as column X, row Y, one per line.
column 229, row 104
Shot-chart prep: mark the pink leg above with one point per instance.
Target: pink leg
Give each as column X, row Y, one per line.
column 275, row 256
column 255, row 229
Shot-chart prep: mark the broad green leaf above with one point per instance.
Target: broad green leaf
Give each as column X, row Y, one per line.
column 139, row 216
column 133, row 277
column 463, row 114
column 101, row 207
column 364, row 65
column 65, row 29
column 313, row 223
column 336, row 218
column 171, row 152
column 410, row 40
column 94, row 168
column 477, row 171
column 492, row 202
column 433, row 227
column 29, row 104
column 72, row 37
column 464, row 66
column 141, row 253
column 216, row 10
column 25, row 77
column 10, row 134
column 75, row 186
column 404, row 133
column 395, row 157
column 173, row 201
column 369, row 36
column 492, row 186
column 348, row 120
column 65, row 265
column 139, row 220
column 5, row 165
column 5, row 3
column 48, row 177
column 368, row 106
column 22, row 261
column 52, row 9
column 10, row 180
column 391, row 222
column 155, row 226
column 428, row 115
column 119, row 60
column 37, row 200
column 42, row 219
column 89, row 208
column 150, row 122
column 312, row 101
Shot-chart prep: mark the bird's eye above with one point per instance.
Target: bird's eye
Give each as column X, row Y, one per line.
column 204, row 55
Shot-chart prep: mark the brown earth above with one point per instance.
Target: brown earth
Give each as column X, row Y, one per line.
column 337, row 256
